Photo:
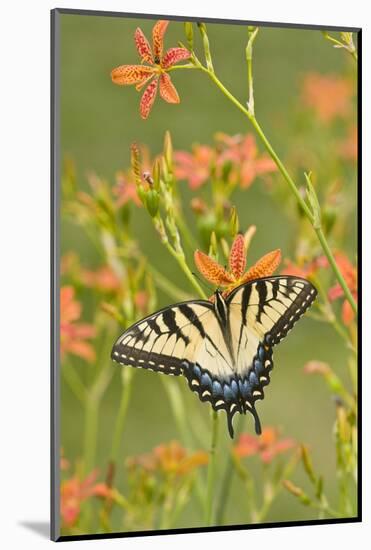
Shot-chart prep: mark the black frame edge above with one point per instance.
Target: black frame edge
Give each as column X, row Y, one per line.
column 131, row 15
column 54, row 272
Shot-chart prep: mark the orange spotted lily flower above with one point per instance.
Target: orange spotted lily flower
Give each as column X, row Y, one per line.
column 155, row 74
column 267, row 445
column 236, row 276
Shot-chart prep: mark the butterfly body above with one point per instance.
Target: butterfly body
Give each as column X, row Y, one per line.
column 223, row 348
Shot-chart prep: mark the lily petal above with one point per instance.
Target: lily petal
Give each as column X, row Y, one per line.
column 211, row 270
column 148, row 98
column 265, row 267
column 141, row 84
column 173, row 55
column 237, row 257
column 125, row 75
column 158, row 33
column 167, row 89
column 143, row 47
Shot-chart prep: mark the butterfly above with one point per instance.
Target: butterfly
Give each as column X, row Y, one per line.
column 223, row 347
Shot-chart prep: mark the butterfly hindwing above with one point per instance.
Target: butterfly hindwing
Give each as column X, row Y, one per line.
column 224, row 349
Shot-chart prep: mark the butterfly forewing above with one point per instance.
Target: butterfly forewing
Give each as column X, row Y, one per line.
column 174, row 339
column 272, row 305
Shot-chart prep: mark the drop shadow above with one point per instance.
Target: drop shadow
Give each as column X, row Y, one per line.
column 42, row 528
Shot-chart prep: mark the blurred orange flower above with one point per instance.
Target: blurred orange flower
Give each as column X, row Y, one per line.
column 328, row 95
column 236, row 276
column 349, row 272
column 348, row 148
column 141, row 300
column 267, row 446
column 194, row 167
column 317, row 367
column 243, row 153
column 125, row 190
column 75, row 491
column 155, row 74
column 170, row 458
column 102, row 279
column 307, row 269
column 64, row 464
column 73, row 335
column 239, row 151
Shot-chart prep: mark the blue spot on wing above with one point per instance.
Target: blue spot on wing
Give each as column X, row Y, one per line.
column 217, row 388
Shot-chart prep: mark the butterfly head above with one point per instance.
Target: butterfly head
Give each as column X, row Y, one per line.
column 220, row 306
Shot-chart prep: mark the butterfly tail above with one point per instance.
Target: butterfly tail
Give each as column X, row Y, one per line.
column 258, row 428
column 230, row 424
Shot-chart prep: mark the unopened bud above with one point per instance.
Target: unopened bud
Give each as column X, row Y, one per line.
column 213, row 249
column 307, row 462
column 293, row 489
column 234, row 222
column 168, row 151
column 152, row 202
column 156, row 174
column 135, row 162
column 188, row 29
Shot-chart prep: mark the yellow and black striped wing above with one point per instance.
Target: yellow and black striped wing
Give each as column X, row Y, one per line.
column 176, row 340
column 261, row 313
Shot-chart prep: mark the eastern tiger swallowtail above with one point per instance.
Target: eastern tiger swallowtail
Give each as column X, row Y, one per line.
column 224, row 349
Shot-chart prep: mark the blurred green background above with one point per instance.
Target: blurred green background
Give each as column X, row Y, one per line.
column 99, row 121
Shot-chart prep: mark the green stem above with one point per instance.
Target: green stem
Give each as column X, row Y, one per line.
column 209, row 517
column 127, row 377
column 227, row 478
column 168, row 287
column 252, row 32
column 92, row 404
column 183, row 265
column 90, row 434
column 74, row 382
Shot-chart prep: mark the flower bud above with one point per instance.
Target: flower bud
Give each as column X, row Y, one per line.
column 188, row 29
column 307, row 463
column 234, row 223
column 343, row 427
column 213, row 249
column 152, row 202
column 168, row 151
column 142, row 194
column 329, row 216
column 225, row 247
column 135, row 162
column 293, row 489
column 248, row 235
column 156, row 173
